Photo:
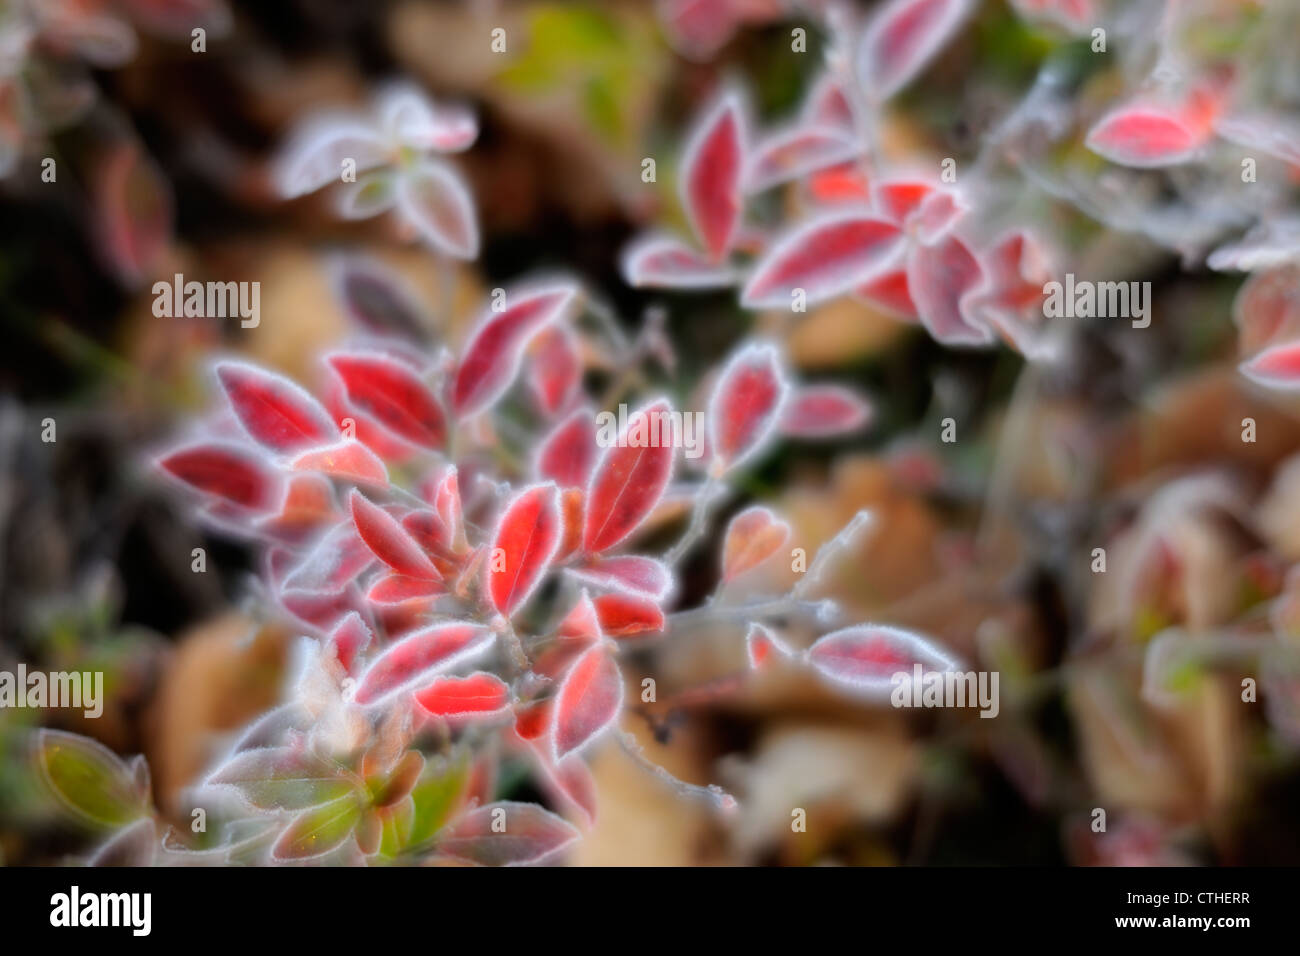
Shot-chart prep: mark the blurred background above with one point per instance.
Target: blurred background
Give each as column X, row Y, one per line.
column 1134, row 443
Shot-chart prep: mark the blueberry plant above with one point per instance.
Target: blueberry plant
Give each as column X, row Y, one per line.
column 470, row 549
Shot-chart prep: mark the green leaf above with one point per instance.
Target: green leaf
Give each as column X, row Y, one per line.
column 278, row 778
column 90, row 779
column 319, row 830
column 436, row 798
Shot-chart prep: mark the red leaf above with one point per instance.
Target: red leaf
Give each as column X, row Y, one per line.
column 824, row 258
column 533, row 719
column 842, row 184
column 628, row 482
column 346, row 460
column 556, row 368
column 274, row 411
column 900, row 198
column 588, row 701
column 665, row 262
column 491, row 357
column 349, row 640
column 752, row 537
column 421, row 655
column 902, row 38
column 477, row 695
column 746, row 404
column 507, row 834
column 865, row 657
column 942, row 278
column 524, row 545
column 308, row 504
column 390, row 542
column 711, row 175
column 630, row 572
column 628, row 615
column 760, row 643
column 889, row 291
column 792, row 153
column 232, row 472
column 581, row 624
column 393, row 394
column 1276, row 367
column 567, row 454
column 434, row 199
column 819, row 411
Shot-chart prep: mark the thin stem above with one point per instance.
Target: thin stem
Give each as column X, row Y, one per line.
column 712, row 793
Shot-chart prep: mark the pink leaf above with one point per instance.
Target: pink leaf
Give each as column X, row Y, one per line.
column 588, row 702
column 865, row 657
column 711, row 175
column 568, row 453
column 390, row 542
column 820, row 411
column 1150, row 133
column 419, row 656
column 393, row 394
column 435, row 200
column 274, row 411
column 1074, row 15
column 824, row 258
column 746, row 404
column 628, row 482
column 761, row 643
column 232, row 472
column 397, row 589
column 792, row 153
column 556, row 368
column 478, row 695
column 902, row 37
column 133, row 210
column 346, row 460
column 409, row 118
column 752, row 537
column 628, row 614
column 526, row 540
column 339, row 557
column 1277, row 367
column 828, row 105
column 941, row 279
column 629, row 572
column 507, row 834
column 349, row 640
column 492, row 354
column 665, row 262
